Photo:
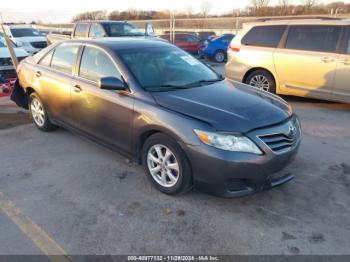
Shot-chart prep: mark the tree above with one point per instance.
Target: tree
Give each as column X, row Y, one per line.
column 308, row 5
column 259, row 6
column 206, row 7
column 283, row 6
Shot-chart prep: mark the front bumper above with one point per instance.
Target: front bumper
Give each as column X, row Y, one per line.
column 233, row 174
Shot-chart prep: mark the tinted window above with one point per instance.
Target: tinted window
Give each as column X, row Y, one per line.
column 46, row 61
column 96, row 64
column 80, row 30
column 64, row 57
column 313, row 38
column 96, row 30
column 268, row 36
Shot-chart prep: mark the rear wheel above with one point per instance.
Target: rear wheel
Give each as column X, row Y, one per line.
column 39, row 114
column 263, row 80
column 220, row 56
column 166, row 165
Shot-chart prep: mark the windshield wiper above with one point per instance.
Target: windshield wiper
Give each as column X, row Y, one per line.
column 199, row 82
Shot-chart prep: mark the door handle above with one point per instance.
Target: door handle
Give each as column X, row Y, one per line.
column 38, row 74
column 77, row 88
column 327, row 59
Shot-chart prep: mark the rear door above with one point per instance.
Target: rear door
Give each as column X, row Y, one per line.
column 341, row 87
column 54, row 74
column 306, row 65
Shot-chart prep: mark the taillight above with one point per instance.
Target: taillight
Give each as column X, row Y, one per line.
column 233, row 49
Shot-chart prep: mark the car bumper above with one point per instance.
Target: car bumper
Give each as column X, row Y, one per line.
column 232, row 174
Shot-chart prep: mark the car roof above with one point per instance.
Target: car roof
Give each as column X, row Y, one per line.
column 119, row 43
column 302, row 22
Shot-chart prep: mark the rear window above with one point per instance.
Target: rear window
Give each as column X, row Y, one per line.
column 313, row 38
column 267, row 36
column 81, row 30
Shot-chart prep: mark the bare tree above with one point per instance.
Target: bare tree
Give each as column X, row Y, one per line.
column 283, row 6
column 206, row 7
column 259, row 6
column 189, row 11
column 308, row 5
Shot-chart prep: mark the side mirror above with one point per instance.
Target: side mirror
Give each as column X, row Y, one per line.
column 111, row 83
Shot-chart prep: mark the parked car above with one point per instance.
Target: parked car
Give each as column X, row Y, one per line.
column 185, row 41
column 103, row 28
column 309, row 58
column 26, row 37
column 216, row 48
column 7, row 70
column 204, row 35
column 161, row 107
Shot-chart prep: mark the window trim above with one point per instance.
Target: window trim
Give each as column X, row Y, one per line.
column 44, row 56
column 338, row 45
column 78, row 64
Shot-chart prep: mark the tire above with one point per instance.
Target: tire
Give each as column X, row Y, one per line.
column 39, row 114
column 181, row 179
column 266, row 83
column 220, row 56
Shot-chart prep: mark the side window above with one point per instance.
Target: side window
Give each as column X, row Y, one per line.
column 95, row 64
column 81, row 30
column 313, row 38
column 46, row 60
column 192, row 39
column 96, row 30
column 266, row 36
column 64, row 57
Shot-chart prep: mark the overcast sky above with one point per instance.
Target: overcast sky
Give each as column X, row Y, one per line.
column 62, row 11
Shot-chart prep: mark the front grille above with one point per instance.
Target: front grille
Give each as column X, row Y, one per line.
column 5, row 61
column 41, row 44
column 284, row 141
column 10, row 73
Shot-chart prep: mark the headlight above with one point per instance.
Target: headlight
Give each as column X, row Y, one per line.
column 228, row 142
column 19, row 43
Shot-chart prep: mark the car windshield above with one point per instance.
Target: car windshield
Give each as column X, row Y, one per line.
column 22, row 32
column 122, row 29
column 162, row 69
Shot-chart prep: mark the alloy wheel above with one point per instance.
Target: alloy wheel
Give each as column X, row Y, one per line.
column 163, row 165
column 37, row 111
column 261, row 82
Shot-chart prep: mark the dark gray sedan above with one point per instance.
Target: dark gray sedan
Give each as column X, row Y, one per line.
column 164, row 109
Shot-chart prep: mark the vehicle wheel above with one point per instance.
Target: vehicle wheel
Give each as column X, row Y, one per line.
column 166, row 165
column 220, row 56
column 263, row 80
column 39, row 114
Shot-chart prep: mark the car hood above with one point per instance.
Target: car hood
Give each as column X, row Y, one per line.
column 4, row 52
column 227, row 106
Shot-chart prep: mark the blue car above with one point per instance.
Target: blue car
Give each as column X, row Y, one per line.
column 216, row 48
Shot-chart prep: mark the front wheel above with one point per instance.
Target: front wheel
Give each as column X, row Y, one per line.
column 39, row 114
column 166, row 165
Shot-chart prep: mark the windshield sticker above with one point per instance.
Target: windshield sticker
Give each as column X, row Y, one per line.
column 190, row 60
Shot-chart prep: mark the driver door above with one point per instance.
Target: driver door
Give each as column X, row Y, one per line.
column 103, row 114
